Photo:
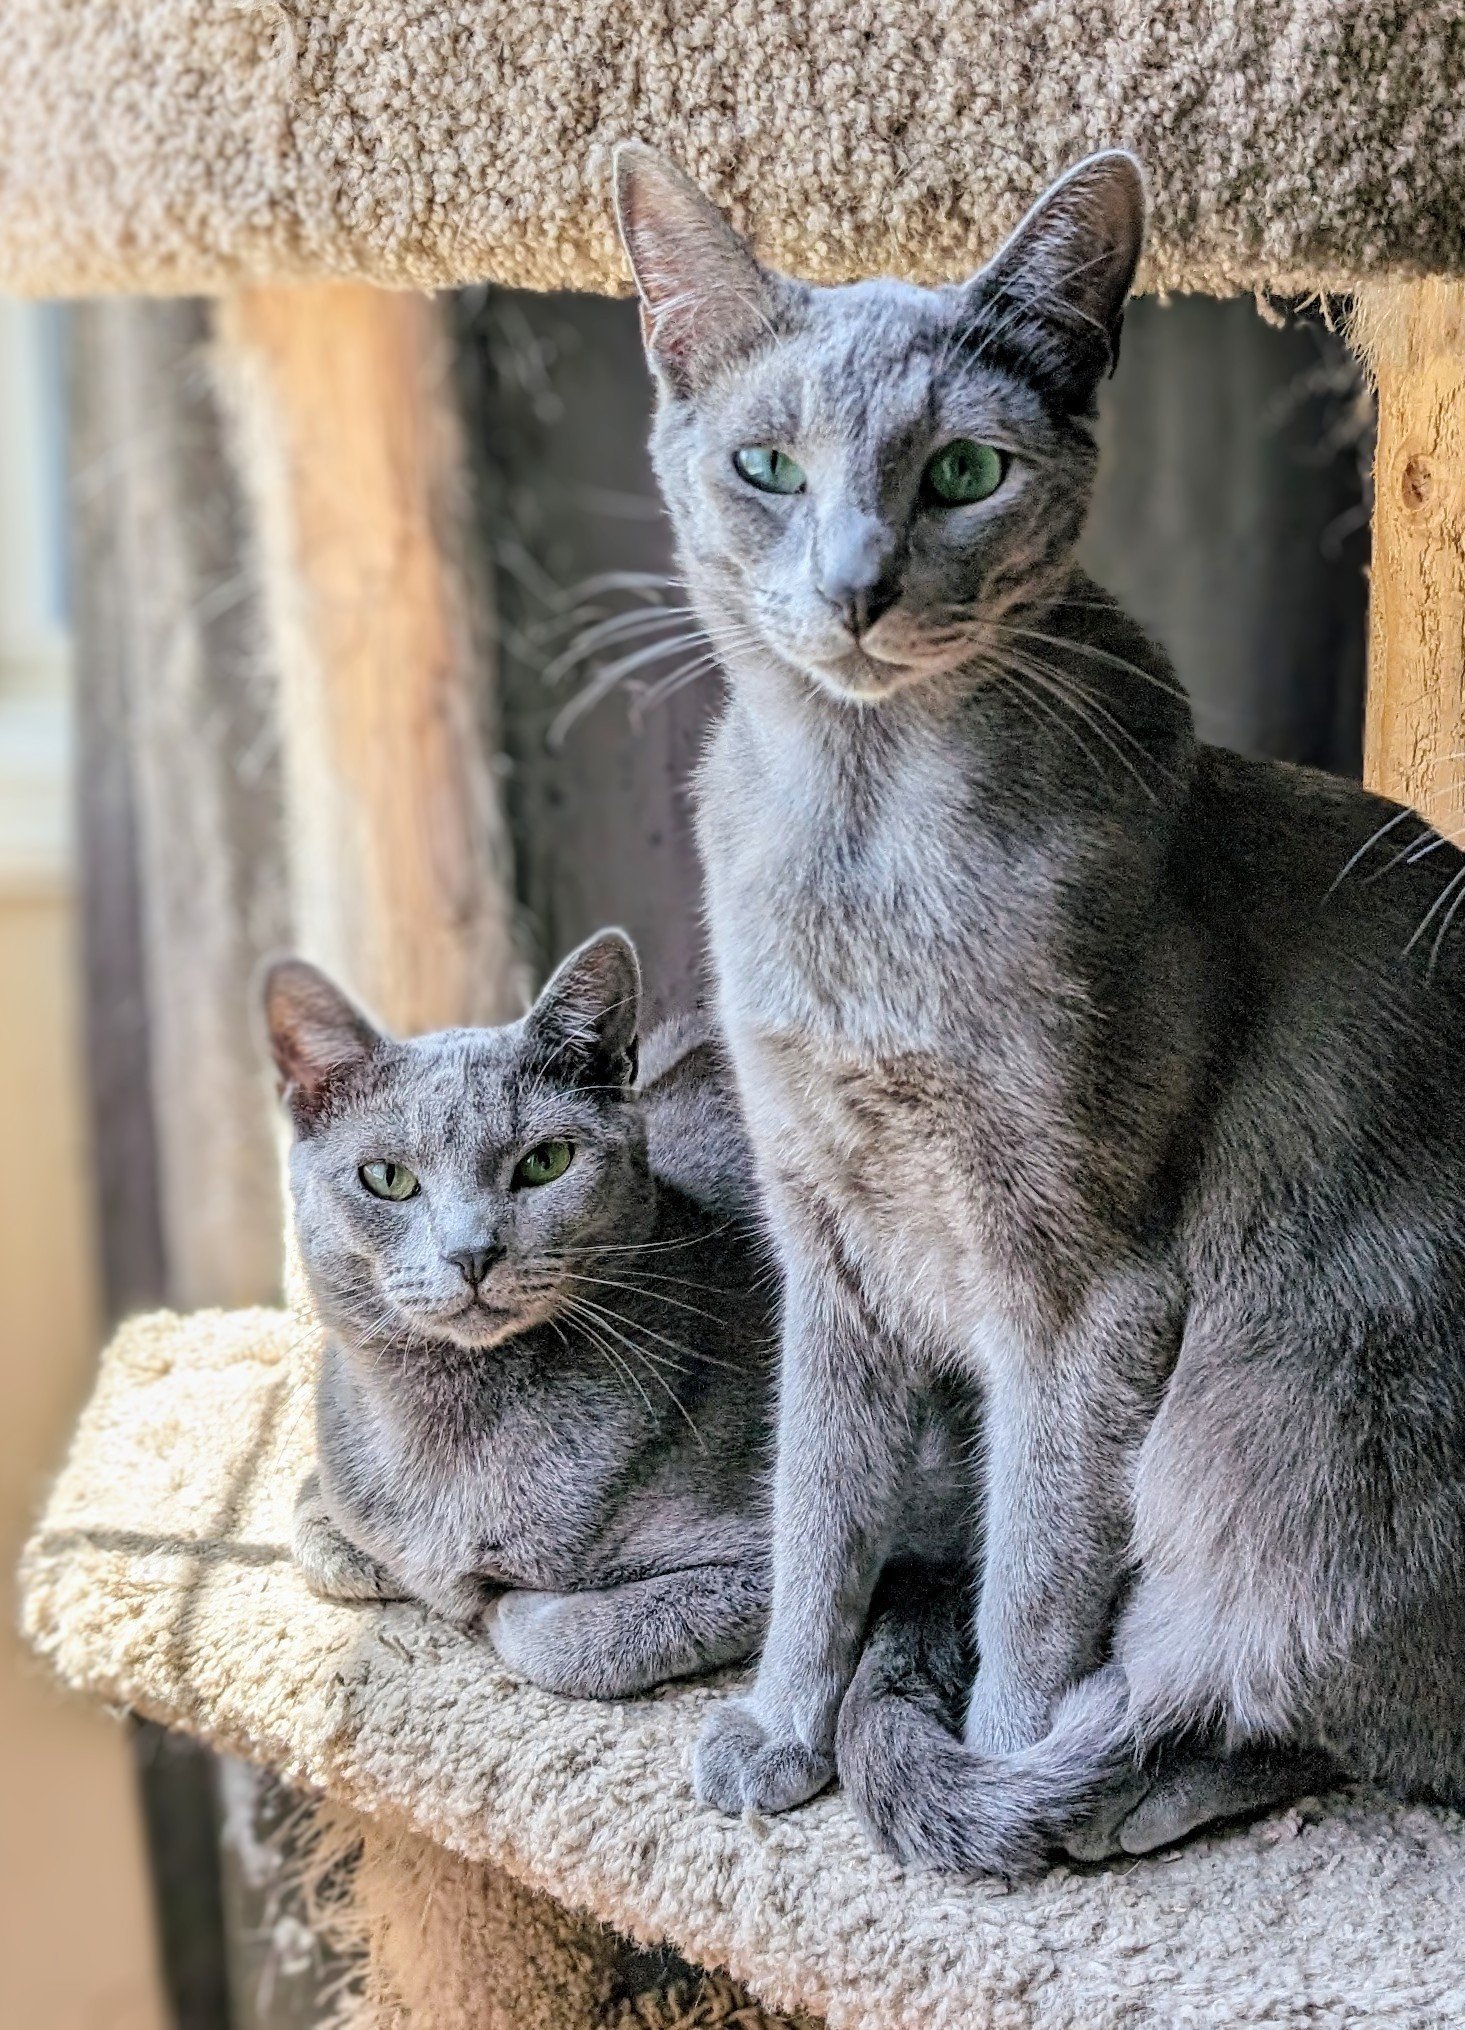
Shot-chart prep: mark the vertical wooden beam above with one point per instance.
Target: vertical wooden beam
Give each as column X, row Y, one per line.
column 197, row 739
column 1413, row 336
column 351, row 443
column 152, row 1081
column 349, row 431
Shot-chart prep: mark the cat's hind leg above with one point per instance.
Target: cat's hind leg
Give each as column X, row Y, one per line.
column 1191, row 1788
column 333, row 1566
column 1233, row 1616
column 618, row 1640
column 1222, row 1785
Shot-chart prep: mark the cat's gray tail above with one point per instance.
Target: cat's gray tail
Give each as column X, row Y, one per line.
column 920, row 1793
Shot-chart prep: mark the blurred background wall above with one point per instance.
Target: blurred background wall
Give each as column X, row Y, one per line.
column 77, row 1950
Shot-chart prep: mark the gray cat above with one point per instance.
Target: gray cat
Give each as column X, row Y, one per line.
column 547, row 1378
column 1079, row 1059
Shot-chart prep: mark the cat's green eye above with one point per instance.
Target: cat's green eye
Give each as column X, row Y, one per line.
column 544, row 1163
column 769, row 469
column 389, row 1180
column 963, row 472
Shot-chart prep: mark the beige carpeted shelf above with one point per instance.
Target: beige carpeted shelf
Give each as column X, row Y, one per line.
column 159, row 1580
column 182, row 145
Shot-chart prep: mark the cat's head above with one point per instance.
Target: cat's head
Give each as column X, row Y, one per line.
column 455, row 1187
column 868, row 481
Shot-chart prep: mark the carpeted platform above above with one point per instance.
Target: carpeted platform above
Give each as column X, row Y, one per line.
column 175, row 145
column 159, row 1580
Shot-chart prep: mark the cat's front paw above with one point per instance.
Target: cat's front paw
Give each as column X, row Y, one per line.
column 539, row 1636
column 740, row 1765
column 333, row 1566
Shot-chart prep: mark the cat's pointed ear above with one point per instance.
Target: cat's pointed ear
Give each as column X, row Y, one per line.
column 1064, row 274
column 315, row 1033
column 705, row 301
column 582, row 1029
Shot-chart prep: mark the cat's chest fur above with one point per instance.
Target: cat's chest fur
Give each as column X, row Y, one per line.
column 513, row 1488
column 889, row 989
column 835, row 916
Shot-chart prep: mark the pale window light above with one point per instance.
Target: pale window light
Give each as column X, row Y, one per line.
column 34, row 638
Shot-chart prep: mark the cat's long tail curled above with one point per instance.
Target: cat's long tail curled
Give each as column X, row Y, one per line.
column 921, row 1794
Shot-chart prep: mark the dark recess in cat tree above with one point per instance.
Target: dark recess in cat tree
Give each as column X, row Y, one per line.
column 1229, row 517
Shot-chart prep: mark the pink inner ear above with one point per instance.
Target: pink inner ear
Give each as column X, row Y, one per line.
column 704, row 298
column 315, row 1029
column 307, row 1061
column 1082, row 239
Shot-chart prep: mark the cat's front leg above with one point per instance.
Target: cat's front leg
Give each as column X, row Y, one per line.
column 459, row 1597
column 614, row 1641
column 339, row 1569
column 333, row 1566
column 843, row 1446
column 1061, row 1428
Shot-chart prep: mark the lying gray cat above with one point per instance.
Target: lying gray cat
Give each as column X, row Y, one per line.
column 1078, row 1059
column 546, row 1386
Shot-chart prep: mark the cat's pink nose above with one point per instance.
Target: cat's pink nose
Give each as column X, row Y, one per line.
column 857, row 569
column 474, row 1263
column 859, row 607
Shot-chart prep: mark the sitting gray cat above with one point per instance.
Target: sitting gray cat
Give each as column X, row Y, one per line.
column 1078, row 1059
column 546, row 1386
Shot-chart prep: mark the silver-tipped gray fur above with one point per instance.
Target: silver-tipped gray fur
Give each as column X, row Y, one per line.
column 544, row 1409
column 1109, row 1071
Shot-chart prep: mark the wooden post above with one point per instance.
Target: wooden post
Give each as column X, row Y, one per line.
column 1414, row 746
column 173, row 645
column 180, row 885
column 351, row 445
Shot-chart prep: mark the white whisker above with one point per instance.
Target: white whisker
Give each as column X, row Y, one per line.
column 1371, row 841
column 605, row 1319
column 1456, row 886
column 1066, row 691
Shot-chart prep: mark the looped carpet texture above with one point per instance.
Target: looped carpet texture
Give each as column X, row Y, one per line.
column 185, row 145
column 159, row 1579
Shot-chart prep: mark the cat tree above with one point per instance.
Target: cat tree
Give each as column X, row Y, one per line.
column 285, row 160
